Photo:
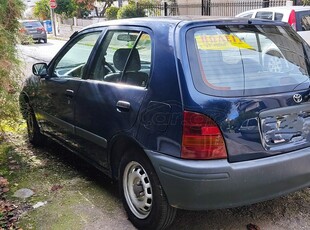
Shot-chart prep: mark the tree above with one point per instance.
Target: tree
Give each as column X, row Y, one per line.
column 42, row 9
column 66, row 8
column 306, row 2
column 106, row 5
column 84, row 6
column 130, row 11
column 111, row 12
column 10, row 11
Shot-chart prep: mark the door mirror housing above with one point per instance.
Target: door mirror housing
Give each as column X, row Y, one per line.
column 40, row 69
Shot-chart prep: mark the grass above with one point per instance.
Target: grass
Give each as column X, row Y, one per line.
column 71, row 188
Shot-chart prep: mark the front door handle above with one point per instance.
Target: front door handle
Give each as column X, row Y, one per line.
column 123, row 106
column 69, row 93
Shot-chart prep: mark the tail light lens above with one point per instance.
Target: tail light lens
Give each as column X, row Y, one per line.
column 292, row 19
column 41, row 29
column 202, row 138
column 22, row 30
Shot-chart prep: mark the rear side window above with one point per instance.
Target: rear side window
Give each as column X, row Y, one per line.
column 264, row 15
column 246, row 60
column 124, row 58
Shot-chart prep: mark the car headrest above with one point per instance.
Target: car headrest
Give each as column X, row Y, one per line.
column 120, row 58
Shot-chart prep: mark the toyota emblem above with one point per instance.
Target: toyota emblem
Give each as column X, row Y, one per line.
column 297, row 98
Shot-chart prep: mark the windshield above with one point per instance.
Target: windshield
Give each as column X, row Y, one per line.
column 247, row 60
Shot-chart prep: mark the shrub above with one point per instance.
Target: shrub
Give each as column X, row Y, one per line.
column 10, row 71
column 111, row 12
column 130, row 11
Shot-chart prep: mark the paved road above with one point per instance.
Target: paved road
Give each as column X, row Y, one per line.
column 40, row 52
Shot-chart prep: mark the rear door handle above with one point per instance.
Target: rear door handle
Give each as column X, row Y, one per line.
column 123, row 106
column 69, row 93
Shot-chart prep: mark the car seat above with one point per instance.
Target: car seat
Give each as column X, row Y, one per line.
column 131, row 75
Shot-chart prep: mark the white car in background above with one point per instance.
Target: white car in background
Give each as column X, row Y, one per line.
column 297, row 16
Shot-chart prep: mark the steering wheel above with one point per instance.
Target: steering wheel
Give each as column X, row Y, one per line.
column 109, row 67
column 76, row 71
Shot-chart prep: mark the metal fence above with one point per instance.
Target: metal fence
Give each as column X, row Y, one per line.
column 208, row 7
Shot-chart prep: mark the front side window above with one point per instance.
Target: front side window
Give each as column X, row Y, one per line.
column 246, row 60
column 71, row 63
column 124, row 57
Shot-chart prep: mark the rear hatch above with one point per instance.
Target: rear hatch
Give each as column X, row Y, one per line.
column 33, row 27
column 253, row 81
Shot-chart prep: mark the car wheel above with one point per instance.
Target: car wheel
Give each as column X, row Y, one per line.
column 45, row 40
column 143, row 197
column 274, row 62
column 34, row 135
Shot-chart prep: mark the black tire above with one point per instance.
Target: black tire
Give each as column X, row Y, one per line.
column 45, row 40
column 142, row 194
column 35, row 137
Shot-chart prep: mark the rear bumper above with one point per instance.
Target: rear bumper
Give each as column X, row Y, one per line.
column 202, row 185
column 38, row 36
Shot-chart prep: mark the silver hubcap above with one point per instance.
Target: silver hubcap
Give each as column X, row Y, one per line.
column 137, row 190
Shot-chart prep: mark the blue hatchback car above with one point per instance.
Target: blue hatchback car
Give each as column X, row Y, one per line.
column 158, row 104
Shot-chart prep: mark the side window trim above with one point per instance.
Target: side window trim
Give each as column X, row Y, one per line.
column 130, row 55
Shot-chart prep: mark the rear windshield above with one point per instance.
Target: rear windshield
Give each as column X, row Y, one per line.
column 32, row 24
column 241, row 60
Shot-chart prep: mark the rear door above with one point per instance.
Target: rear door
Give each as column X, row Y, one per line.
column 109, row 99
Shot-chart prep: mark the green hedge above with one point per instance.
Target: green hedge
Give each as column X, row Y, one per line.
column 130, row 11
column 111, row 12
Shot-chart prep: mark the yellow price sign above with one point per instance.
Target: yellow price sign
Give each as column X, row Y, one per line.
column 220, row 42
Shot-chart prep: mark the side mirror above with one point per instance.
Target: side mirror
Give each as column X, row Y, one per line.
column 40, row 69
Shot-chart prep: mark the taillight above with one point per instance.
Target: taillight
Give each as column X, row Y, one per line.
column 22, row 30
column 41, row 29
column 292, row 19
column 202, row 138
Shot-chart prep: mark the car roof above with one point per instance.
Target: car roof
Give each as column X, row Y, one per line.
column 175, row 20
column 279, row 9
column 296, row 8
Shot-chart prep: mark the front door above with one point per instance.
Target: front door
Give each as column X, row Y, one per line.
column 56, row 100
